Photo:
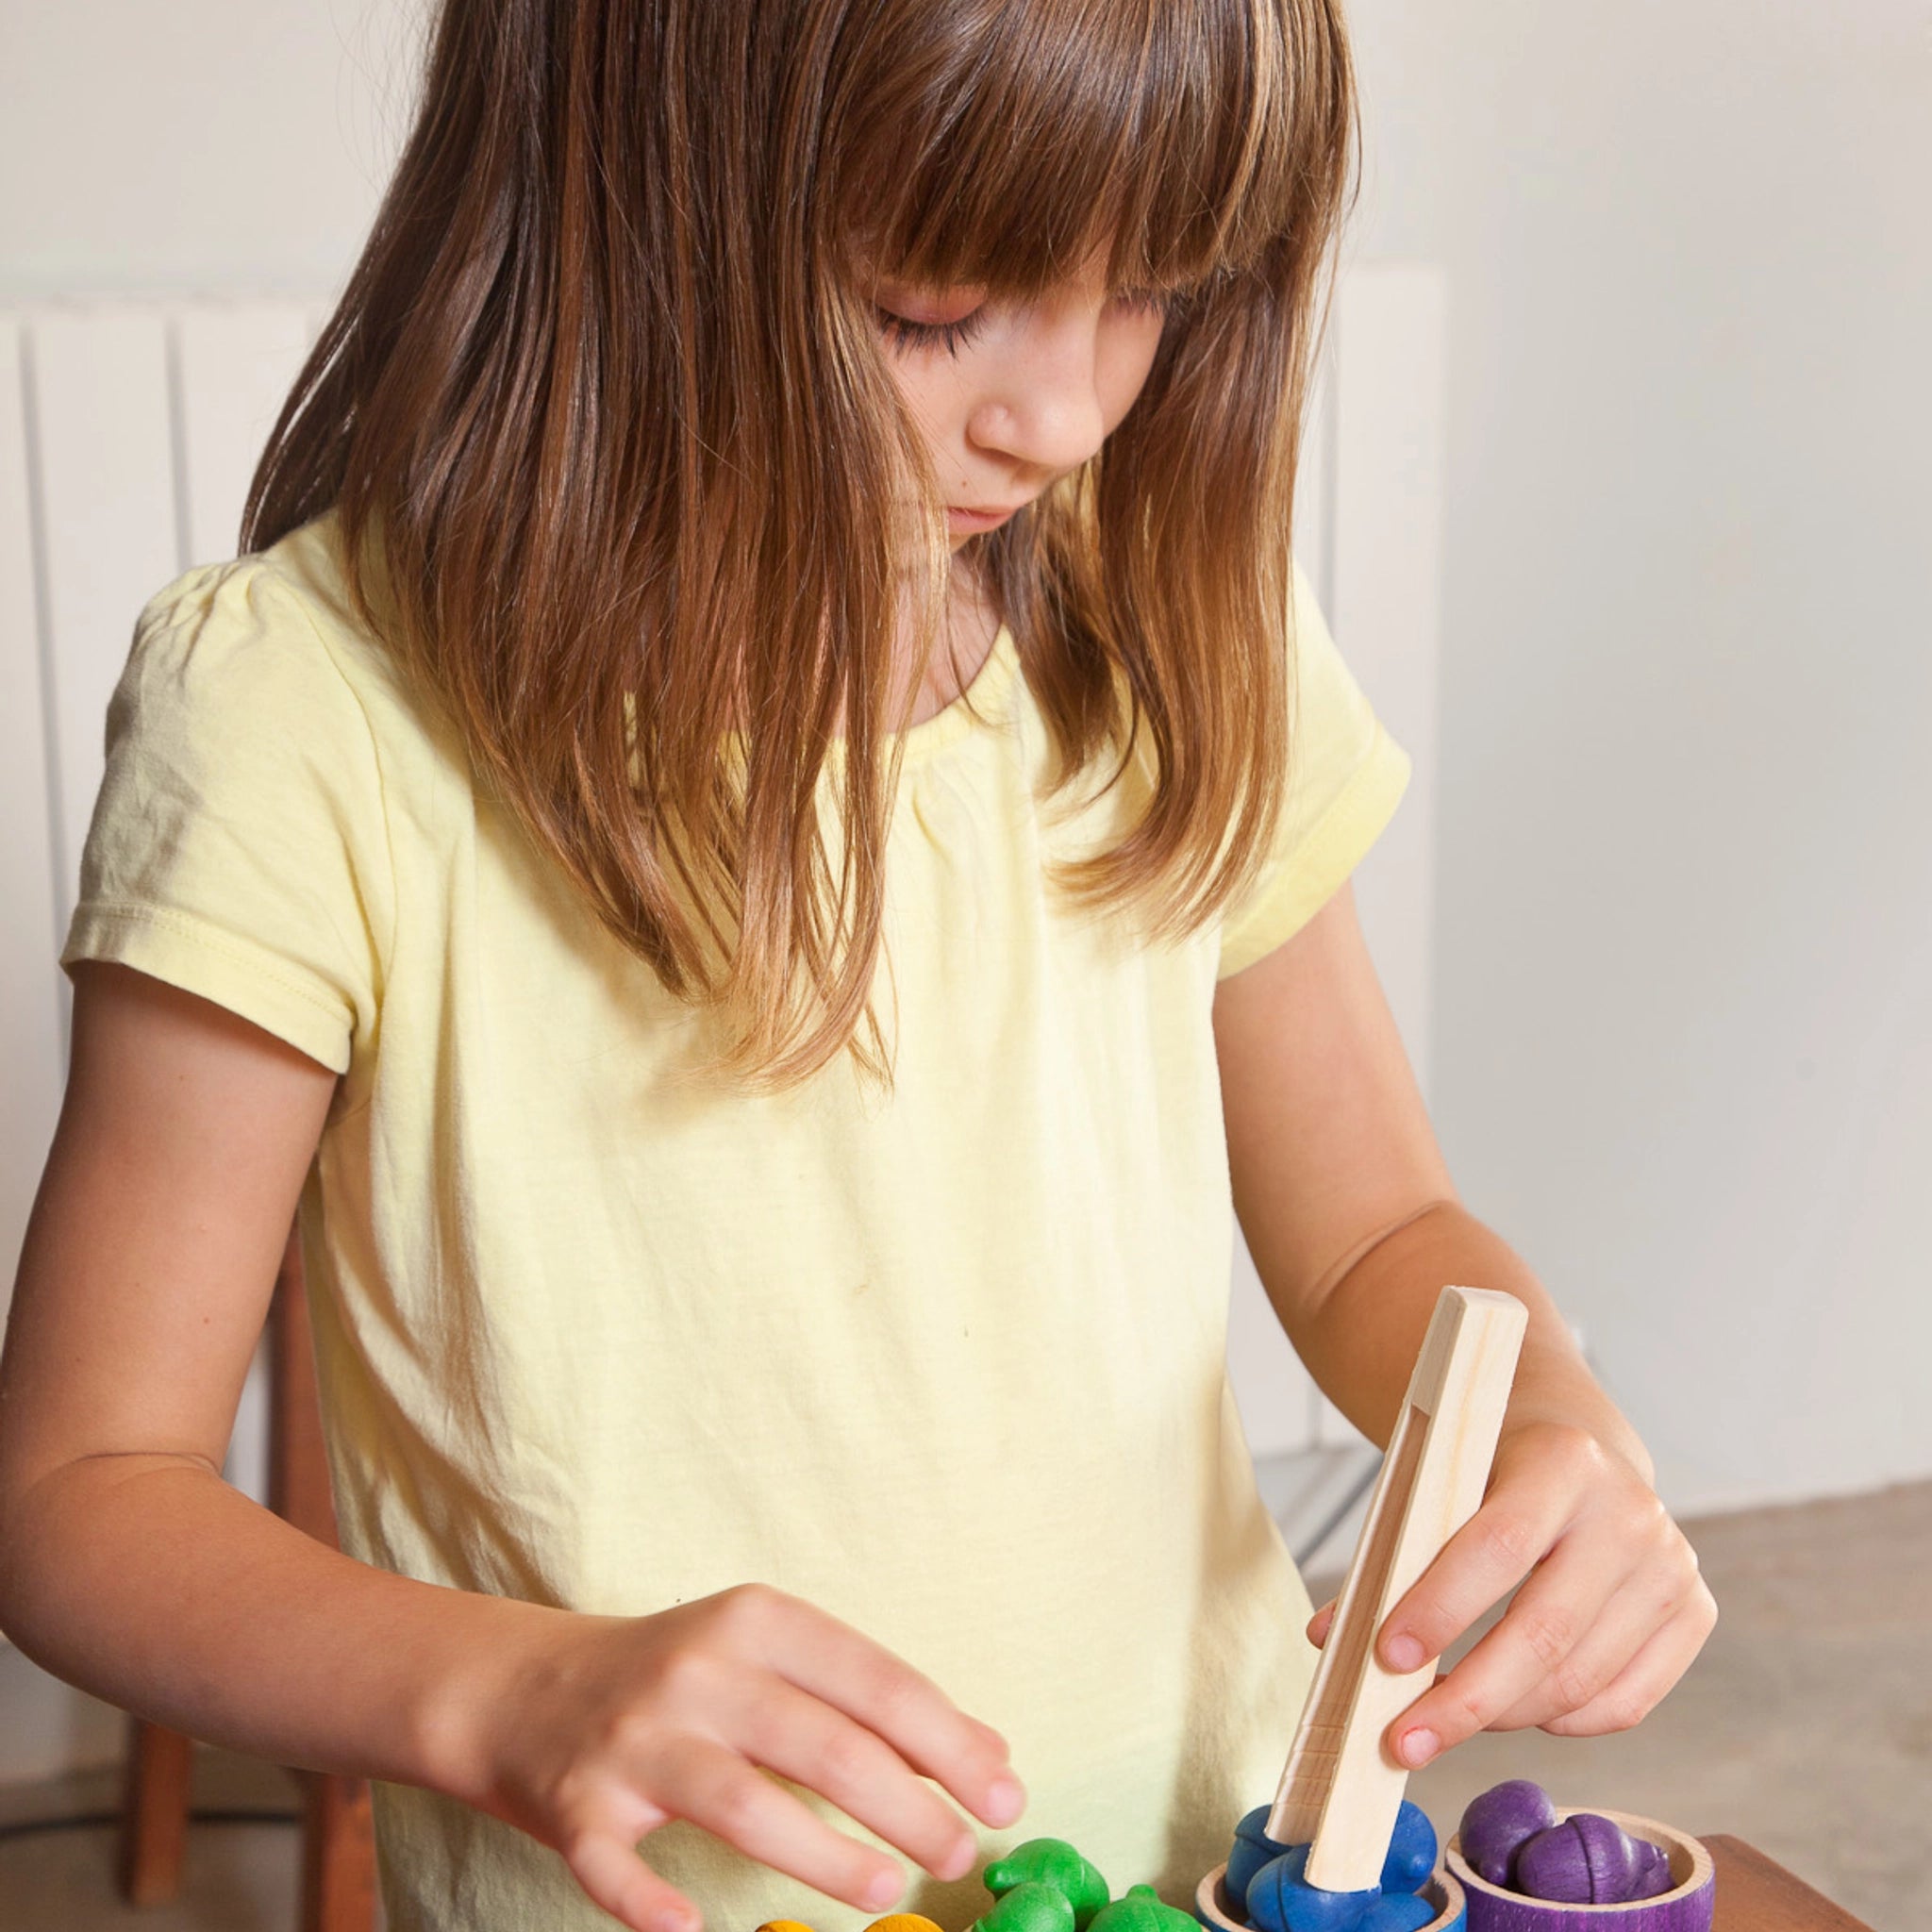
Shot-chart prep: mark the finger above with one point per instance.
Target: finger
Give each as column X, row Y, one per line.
column 808, row 1741
column 842, row 1667
column 718, row 1791
column 1479, row 1565
column 1645, row 1604
column 1561, row 1601
column 1322, row 1622
column 618, row 1881
column 1640, row 1686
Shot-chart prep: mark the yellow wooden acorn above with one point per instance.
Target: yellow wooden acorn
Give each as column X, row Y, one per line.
column 783, row 1925
column 902, row 1922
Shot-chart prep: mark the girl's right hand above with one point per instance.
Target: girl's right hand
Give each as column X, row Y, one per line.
column 612, row 1726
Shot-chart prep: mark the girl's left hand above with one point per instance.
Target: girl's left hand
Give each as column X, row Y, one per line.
column 1609, row 1618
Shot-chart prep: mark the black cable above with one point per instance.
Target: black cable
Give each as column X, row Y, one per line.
column 94, row 1821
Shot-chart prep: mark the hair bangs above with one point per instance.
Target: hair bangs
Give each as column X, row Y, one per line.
column 1015, row 141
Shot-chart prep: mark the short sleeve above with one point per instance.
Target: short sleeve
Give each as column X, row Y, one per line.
column 1345, row 777
column 238, row 847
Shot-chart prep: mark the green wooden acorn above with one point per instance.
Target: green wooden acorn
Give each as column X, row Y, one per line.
column 1051, row 1861
column 1142, row 1910
column 1028, row 1906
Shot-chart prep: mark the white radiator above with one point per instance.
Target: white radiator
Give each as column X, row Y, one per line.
column 127, row 435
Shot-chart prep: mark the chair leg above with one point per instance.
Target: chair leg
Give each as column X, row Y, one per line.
column 154, row 1815
column 298, row 1488
column 337, row 1855
column 337, row 1834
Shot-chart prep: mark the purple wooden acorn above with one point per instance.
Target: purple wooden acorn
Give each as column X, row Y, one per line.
column 1684, row 1905
column 1653, row 1871
column 1500, row 1820
column 1586, row 1861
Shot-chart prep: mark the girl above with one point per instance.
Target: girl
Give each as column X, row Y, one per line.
column 735, row 841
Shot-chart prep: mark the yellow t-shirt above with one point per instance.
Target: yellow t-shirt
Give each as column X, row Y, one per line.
column 950, row 1364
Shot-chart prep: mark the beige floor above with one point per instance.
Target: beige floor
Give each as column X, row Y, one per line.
column 1806, row 1727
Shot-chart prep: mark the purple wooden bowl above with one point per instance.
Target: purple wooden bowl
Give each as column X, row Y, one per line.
column 1686, row 1907
column 1442, row 1891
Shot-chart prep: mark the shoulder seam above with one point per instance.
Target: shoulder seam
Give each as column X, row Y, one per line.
column 293, row 595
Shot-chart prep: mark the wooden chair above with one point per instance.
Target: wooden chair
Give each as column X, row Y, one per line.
column 338, row 1841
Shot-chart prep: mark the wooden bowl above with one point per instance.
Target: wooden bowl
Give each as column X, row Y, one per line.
column 1686, row 1907
column 1442, row 1891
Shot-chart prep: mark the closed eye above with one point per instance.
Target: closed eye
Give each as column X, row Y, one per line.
column 905, row 333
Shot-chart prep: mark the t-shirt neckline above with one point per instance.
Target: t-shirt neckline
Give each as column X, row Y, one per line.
column 981, row 700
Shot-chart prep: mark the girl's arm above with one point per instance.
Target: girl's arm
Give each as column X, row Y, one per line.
column 128, row 1567
column 1355, row 1226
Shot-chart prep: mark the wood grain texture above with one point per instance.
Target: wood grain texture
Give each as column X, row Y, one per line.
column 1341, row 1789
column 1756, row 1894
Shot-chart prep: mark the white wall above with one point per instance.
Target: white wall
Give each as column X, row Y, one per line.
column 198, row 144
column 1684, row 946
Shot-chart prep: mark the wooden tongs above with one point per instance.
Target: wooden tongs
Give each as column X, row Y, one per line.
column 1341, row 1788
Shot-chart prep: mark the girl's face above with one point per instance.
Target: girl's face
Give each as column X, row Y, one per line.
column 1012, row 395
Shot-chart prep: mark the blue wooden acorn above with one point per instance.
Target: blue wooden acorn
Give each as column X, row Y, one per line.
column 1398, row 1911
column 1412, row 1850
column 1252, row 1849
column 1280, row 1899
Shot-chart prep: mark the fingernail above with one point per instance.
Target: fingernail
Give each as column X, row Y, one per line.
column 883, row 1891
column 1404, row 1653
column 1419, row 1746
column 1005, row 1801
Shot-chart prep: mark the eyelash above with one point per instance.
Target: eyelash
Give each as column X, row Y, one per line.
column 951, row 336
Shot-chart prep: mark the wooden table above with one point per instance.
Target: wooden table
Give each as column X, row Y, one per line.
column 1756, row 1894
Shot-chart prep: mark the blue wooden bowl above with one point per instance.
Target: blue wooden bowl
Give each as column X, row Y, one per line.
column 1444, row 1891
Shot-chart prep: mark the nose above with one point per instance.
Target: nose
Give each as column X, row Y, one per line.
column 1041, row 407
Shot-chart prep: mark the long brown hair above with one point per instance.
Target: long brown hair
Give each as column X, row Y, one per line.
column 605, row 412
